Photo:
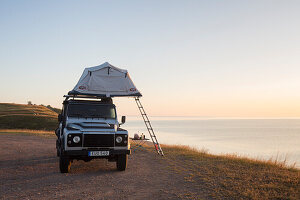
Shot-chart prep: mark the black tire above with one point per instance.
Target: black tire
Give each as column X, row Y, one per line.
column 57, row 146
column 64, row 164
column 122, row 162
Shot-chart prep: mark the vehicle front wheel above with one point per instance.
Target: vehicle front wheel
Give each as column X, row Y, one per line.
column 64, row 164
column 122, row 162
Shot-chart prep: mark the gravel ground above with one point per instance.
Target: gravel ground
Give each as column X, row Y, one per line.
column 29, row 170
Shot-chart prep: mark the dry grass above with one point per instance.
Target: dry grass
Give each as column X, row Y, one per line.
column 234, row 177
column 20, row 116
column 7, row 109
column 180, row 149
column 27, row 131
column 222, row 176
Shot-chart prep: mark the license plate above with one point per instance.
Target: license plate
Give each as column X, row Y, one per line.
column 98, row 153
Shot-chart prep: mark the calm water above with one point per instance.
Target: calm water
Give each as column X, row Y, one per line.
column 256, row 138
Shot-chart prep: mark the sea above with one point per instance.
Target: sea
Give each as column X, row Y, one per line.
column 264, row 139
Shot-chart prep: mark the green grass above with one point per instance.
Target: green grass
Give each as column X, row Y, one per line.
column 233, row 177
column 19, row 116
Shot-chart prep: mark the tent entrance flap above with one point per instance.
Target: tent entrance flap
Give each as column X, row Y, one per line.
column 105, row 80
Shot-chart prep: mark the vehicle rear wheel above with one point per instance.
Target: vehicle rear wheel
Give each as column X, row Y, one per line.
column 64, row 164
column 122, row 162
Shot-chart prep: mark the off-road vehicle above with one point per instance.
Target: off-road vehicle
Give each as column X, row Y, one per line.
column 89, row 129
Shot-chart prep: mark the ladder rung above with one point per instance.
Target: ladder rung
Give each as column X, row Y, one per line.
column 149, row 127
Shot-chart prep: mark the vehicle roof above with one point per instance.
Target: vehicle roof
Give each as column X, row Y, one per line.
column 76, row 101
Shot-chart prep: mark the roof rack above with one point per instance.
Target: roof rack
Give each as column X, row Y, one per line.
column 85, row 96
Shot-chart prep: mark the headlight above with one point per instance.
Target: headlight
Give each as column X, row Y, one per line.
column 76, row 139
column 119, row 139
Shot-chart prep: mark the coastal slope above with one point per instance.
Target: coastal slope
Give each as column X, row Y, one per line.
column 21, row 116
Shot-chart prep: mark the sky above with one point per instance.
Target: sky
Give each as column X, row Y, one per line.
column 188, row 58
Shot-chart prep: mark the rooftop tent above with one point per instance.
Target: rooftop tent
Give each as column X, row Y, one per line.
column 105, row 80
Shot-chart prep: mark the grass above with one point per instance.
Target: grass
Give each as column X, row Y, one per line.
column 22, row 109
column 20, row 116
column 234, row 177
column 28, row 132
column 221, row 176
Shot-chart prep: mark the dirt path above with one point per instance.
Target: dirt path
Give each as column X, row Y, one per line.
column 29, row 170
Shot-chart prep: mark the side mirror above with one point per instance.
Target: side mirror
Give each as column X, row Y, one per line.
column 59, row 117
column 123, row 120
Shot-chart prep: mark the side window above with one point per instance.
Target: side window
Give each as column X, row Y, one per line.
column 64, row 110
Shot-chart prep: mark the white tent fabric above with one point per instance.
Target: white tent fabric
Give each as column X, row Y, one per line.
column 105, row 80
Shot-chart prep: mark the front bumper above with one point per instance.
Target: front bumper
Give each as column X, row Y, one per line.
column 84, row 153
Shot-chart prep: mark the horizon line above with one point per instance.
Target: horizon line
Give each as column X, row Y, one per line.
column 212, row 117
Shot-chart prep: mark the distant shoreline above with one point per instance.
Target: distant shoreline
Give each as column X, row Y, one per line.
column 222, row 118
column 149, row 144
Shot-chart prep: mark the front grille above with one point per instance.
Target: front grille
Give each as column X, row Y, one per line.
column 99, row 140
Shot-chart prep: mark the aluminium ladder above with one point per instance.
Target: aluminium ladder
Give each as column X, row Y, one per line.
column 149, row 127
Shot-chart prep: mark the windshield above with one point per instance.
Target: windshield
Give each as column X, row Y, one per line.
column 88, row 110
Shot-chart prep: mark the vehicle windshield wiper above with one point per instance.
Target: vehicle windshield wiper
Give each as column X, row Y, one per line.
column 100, row 116
column 75, row 115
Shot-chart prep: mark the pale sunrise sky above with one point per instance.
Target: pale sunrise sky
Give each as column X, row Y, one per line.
column 188, row 58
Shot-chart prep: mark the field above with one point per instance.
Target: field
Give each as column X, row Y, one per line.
column 19, row 116
column 233, row 177
column 183, row 173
